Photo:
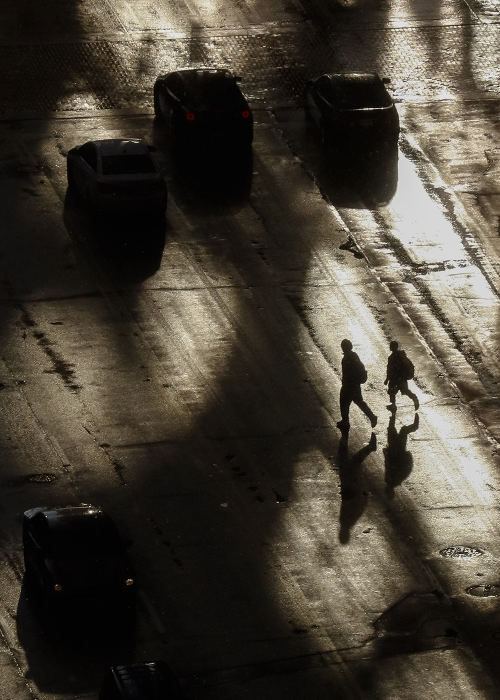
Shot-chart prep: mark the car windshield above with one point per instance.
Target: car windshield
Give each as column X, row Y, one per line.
column 84, row 537
column 127, row 164
column 359, row 95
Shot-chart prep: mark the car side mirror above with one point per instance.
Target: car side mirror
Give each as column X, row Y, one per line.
column 386, row 80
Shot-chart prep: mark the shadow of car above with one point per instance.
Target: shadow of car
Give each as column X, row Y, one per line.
column 352, row 110
column 117, row 176
column 129, row 249
column 146, row 681
column 76, row 561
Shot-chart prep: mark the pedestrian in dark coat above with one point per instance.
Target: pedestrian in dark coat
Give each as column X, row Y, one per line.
column 397, row 376
column 353, row 375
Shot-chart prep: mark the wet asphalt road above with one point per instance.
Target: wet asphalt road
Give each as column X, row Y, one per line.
column 186, row 377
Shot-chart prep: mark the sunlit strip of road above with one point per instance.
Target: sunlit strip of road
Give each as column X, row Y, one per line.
column 452, row 471
column 431, row 260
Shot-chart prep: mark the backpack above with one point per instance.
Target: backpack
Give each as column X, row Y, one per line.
column 362, row 373
column 407, row 367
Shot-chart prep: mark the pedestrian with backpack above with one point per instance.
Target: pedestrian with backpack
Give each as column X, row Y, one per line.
column 353, row 375
column 399, row 370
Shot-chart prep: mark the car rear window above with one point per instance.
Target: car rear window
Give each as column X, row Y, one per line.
column 83, row 537
column 127, row 164
column 213, row 91
column 356, row 95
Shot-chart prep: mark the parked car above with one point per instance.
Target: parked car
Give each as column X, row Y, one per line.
column 352, row 109
column 117, row 176
column 147, row 681
column 74, row 553
column 203, row 107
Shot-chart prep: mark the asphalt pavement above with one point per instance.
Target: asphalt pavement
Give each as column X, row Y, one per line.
column 187, row 378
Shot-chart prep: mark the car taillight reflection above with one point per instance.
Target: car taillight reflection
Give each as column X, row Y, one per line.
column 190, row 116
column 245, row 113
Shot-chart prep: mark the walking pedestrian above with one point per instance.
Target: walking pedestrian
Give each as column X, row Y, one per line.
column 353, row 375
column 399, row 370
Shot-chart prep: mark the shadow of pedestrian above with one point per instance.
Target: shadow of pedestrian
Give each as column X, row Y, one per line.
column 354, row 498
column 398, row 460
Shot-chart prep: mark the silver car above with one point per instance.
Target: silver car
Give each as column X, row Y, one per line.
column 117, row 176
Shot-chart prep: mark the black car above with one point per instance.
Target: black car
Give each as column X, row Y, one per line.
column 147, row 681
column 117, row 176
column 74, row 553
column 203, row 106
column 353, row 109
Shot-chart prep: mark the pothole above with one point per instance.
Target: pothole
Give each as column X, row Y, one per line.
column 461, row 552
column 484, row 590
column 41, row 478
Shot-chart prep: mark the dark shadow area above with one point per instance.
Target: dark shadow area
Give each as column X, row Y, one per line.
column 69, row 650
column 129, row 247
column 206, row 176
column 398, row 460
column 352, row 492
column 359, row 177
column 418, row 622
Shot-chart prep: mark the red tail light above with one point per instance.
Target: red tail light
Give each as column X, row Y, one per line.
column 190, row 116
column 245, row 114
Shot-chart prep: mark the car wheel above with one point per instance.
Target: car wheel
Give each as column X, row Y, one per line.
column 29, row 572
column 307, row 108
column 71, row 180
column 325, row 137
column 156, row 100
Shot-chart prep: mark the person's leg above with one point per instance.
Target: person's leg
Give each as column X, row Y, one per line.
column 392, row 390
column 345, row 403
column 359, row 401
column 406, row 391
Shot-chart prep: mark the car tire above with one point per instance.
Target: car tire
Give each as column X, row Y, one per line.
column 156, row 102
column 71, row 180
column 29, row 573
column 307, row 108
column 325, row 138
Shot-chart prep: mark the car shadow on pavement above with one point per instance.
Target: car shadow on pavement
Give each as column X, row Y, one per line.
column 356, row 178
column 208, row 176
column 130, row 248
column 84, row 641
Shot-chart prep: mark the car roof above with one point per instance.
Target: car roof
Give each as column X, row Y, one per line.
column 84, row 511
column 115, row 147
column 207, row 88
column 354, row 77
column 200, row 75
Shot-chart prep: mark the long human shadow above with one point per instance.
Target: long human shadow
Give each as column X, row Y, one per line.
column 353, row 493
column 398, row 459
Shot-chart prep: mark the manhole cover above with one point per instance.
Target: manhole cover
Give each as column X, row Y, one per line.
column 484, row 590
column 461, row 552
